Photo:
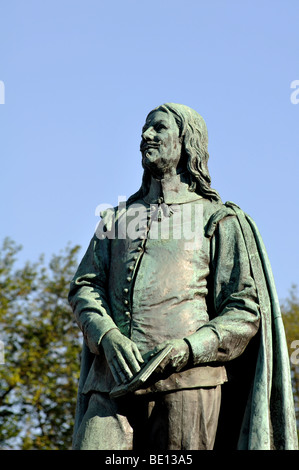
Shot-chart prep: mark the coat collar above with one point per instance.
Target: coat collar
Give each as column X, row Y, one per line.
column 174, row 190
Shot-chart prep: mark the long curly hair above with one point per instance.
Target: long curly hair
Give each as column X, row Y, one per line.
column 193, row 131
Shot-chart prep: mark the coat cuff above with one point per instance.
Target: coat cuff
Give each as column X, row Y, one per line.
column 203, row 346
column 95, row 331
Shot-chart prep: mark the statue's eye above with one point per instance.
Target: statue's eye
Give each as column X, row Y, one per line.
column 160, row 127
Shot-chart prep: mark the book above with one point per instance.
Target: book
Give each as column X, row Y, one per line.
column 139, row 379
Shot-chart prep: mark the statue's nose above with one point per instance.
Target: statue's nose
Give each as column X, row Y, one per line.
column 148, row 134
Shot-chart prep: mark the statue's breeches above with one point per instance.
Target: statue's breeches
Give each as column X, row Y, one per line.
column 184, row 420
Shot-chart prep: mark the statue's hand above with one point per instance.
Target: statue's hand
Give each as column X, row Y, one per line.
column 176, row 359
column 122, row 356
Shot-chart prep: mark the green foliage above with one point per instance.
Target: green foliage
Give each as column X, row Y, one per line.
column 290, row 311
column 42, row 343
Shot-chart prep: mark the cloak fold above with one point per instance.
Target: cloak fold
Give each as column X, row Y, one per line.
column 268, row 422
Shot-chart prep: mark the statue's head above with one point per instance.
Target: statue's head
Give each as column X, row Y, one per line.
column 175, row 137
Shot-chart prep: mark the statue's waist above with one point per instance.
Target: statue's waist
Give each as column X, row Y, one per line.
column 149, row 323
column 100, row 379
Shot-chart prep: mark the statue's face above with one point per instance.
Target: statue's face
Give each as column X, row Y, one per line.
column 161, row 146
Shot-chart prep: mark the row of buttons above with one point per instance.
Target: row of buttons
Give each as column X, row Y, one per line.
column 136, row 257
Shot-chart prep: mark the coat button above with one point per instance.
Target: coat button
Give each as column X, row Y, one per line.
column 131, row 268
column 128, row 314
column 129, row 279
column 126, row 290
column 126, row 302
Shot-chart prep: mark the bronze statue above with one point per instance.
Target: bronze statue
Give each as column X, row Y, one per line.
column 189, row 274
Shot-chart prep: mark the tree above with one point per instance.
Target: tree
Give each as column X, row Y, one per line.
column 42, row 344
column 290, row 312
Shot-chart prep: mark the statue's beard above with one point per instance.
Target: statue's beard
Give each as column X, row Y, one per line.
column 150, row 156
column 152, row 160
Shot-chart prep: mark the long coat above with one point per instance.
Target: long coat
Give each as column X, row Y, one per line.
column 257, row 399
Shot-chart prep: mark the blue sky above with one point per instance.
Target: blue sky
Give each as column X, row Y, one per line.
column 80, row 78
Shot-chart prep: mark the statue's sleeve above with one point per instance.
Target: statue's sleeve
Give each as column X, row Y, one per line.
column 234, row 309
column 88, row 294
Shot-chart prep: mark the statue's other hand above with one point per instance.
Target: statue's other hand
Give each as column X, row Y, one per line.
column 176, row 359
column 122, row 355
